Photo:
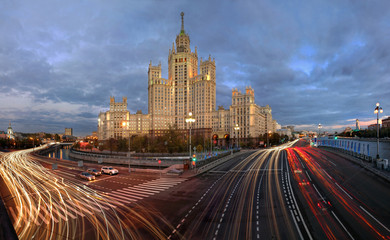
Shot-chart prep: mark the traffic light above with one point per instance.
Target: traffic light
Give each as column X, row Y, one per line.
column 194, row 158
column 335, row 137
column 159, row 161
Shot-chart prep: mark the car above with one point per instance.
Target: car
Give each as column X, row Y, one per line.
column 86, row 176
column 323, row 205
column 109, row 170
column 297, row 171
column 94, row 172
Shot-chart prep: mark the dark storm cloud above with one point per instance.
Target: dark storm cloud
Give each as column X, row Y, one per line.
column 311, row 61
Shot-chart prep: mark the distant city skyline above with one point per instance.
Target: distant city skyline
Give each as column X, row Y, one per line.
column 315, row 62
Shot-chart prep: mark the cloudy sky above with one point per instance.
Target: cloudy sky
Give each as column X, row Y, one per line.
column 312, row 61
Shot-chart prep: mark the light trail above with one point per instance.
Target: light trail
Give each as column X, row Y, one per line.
column 232, row 211
column 45, row 206
column 314, row 160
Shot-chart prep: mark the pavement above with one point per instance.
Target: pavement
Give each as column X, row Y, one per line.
column 7, row 231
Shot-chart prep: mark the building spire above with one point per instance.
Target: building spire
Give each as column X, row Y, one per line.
column 182, row 22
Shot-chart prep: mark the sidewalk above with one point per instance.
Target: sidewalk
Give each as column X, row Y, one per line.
column 7, row 231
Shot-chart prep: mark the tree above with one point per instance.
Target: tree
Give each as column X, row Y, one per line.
column 57, row 137
column 76, row 145
column 89, row 146
column 122, row 145
column 112, row 144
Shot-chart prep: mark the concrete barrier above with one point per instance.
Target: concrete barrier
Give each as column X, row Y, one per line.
column 151, row 162
column 216, row 163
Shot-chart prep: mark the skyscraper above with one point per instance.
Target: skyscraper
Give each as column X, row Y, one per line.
column 189, row 88
column 186, row 89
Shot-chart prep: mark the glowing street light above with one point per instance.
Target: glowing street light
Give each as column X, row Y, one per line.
column 268, row 135
column 190, row 120
column 377, row 111
column 319, row 132
column 237, row 128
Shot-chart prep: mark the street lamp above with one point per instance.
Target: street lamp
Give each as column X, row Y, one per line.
column 124, row 125
column 190, row 120
column 269, row 133
column 33, row 143
column 319, row 130
column 377, row 111
column 237, row 128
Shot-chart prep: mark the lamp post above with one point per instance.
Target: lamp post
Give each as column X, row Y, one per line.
column 269, row 133
column 190, row 120
column 237, row 128
column 33, row 139
column 319, row 130
column 377, row 111
column 124, row 125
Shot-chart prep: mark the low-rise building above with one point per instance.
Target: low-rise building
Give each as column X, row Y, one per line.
column 386, row 123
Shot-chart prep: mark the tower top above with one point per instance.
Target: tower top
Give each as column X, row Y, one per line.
column 182, row 22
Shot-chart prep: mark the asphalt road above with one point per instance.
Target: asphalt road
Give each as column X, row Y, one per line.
column 287, row 192
column 248, row 197
column 348, row 202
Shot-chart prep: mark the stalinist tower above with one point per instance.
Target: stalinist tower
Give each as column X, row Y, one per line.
column 186, row 90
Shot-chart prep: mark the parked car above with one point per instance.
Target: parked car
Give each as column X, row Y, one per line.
column 86, row 176
column 109, row 170
column 94, row 172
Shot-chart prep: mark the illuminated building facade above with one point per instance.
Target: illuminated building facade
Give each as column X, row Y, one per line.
column 189, row 88
column 10, row 132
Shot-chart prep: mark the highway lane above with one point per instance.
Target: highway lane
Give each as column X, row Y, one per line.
column 359, row 203
column 323, row 223
column 45, row 206
column 248, row 199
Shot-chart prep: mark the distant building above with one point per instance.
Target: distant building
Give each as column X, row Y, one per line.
column 3, row 135
column 291, row 128
column 373, row 126
column 69, row 131
column 386, row 123
column 357, row 124
column 10, row 132
column 284, row 131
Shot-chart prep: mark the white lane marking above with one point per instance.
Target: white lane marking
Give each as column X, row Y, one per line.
column 136, row 193
column 30, row 215
column 124, row 201
column 78, row 205
column 332, row 163
column 123, row 196
column 295, row 202
column 75, row 211
column 296, row 225
column 318, row 192
column 50, row 214
column 343, row 190
column 375, row 219
column 143, row 189
column 327, row 174
column 308, row 175
column 65, row 211
column 345, row 229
